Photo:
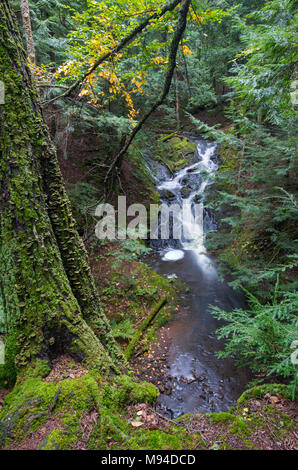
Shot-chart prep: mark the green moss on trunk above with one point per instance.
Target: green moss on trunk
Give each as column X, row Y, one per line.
column 46, row 285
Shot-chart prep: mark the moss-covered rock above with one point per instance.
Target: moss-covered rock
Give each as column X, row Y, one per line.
column 34, row 402
column 261, row 390
column 174, row 153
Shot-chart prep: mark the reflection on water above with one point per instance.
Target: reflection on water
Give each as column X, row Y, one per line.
column 202, row 381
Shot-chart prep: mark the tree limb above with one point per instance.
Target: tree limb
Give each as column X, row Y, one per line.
column 185, row 4
column 144, row 324
column 116, row 49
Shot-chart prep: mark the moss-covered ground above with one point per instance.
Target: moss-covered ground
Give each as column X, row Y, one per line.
column 92, row 412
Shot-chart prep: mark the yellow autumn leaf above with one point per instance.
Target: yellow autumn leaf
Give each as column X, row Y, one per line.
column 185, row 50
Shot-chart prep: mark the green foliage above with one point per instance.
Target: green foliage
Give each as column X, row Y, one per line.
column 124, row 329
column 121, row 124
column 2, row 324
column 82, row 197
column 133, row 249
column 264, row 80
column 261, row 337
column 51, row 21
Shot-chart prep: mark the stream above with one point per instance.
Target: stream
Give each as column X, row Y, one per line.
column 197, row 381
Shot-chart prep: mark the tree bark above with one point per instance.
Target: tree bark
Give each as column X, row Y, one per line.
column 186, row 75
column 177, row 100
column 50, row 302
column 25, row 11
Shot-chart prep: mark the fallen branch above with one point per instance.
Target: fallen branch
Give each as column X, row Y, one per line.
column 144, row 324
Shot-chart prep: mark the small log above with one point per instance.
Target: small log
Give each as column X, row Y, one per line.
column 144, row 324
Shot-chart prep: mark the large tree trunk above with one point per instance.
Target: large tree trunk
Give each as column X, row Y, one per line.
column 50, row 301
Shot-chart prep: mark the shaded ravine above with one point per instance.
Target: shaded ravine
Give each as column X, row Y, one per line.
column 196, row 380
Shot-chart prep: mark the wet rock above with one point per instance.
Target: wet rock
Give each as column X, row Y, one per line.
column 190, row 381
column 185, row 192
column 167, row 195
column 198, row 198
column 201, row 378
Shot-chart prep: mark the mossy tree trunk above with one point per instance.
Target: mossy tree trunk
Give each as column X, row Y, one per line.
column 50, row 301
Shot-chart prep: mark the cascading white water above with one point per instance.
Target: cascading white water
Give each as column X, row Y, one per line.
column 192, row 216
column 175, row 183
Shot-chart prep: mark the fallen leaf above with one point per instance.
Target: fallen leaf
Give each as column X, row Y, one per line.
column 274, row 399
column 136, row 424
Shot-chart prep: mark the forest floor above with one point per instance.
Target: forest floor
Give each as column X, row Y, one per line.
column 261, row 421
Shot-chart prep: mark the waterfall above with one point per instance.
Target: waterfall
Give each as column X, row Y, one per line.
column 195, row 177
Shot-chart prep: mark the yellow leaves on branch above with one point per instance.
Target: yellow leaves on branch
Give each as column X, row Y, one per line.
column 159, row 60
column 131, row 110
column 116, row 87
column 41, row 73
column 89, row 84
column 195, row 17
column 67, row 69
column 185, row 50
column 103, row 45
column 139, row 81
column 97, row 47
